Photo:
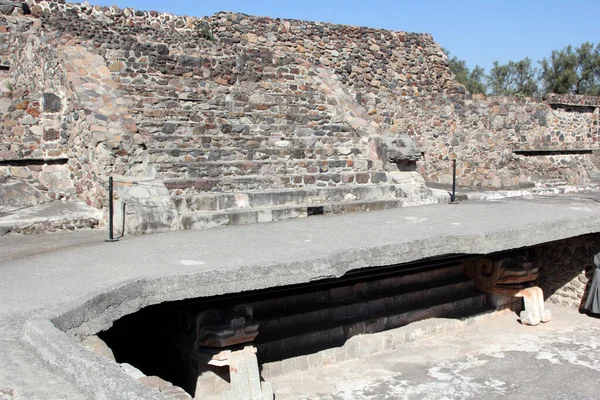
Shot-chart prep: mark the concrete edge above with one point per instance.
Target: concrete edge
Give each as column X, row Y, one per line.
column 95, row 375
column 97, row 311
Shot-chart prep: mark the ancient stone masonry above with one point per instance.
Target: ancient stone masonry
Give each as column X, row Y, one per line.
column 253, row 119
column 565, row 269
column 511, row 276
column 558, row 272
column 484, row 134
column 64, row 131
column 32, row 115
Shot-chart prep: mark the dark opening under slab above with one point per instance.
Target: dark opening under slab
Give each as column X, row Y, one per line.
column 310, row 211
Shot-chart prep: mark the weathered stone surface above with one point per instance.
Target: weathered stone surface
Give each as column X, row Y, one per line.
column 565, row 269
column 51, row 134
column 510, row 225
column 132, row 371
column 19, row 194
column 155, row 382
column 148, row 208
column 51, row 103
column 98, row 346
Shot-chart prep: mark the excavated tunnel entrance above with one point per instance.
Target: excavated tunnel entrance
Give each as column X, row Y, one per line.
column 175, row 340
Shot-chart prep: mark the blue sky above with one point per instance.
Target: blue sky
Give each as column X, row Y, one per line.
column 477, row 31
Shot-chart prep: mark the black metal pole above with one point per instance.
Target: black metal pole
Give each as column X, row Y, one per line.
column 453, row 181
column 111, row 237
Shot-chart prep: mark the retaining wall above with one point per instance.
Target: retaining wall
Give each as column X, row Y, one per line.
column 233, row 102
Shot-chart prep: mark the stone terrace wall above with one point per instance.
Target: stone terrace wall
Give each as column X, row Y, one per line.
column 33, row 114
column 217, row 101
column 198, row 100
column 483, row 133
column 362, row 57
column 63, row 106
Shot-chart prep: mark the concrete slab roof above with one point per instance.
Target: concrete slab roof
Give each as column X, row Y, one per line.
column 82, row 290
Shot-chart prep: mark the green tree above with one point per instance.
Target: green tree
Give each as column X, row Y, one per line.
column 477, row 80
column 515, row 78
column 472, row 79
column 572, row 70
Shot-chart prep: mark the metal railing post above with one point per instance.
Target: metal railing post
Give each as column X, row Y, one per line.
column 453, row 198
column 111, row 237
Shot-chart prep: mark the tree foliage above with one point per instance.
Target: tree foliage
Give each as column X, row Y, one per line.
column 472, row 79
column 572, row 70
column 515, row 78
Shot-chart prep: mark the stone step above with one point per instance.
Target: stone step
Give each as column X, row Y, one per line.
column 164, row 158
column 335, row 333
column 274, row 326
column 549, row 183
column 122, row 54
column 207, row 91
column 207, row 51
column 191, row 128
column 176, row 154
column 262, row 182
column 164, row 89
column 129, row 70
column 334, row 295
column 49, row 217
column 156, row 94
column 284, row 197
column 199, row 105
column 252, row 142
column 207, row 219
column 214, row 169
column 391, row 340
column 594, row 176
column 192, row 106
column 154, row 71
column 213, row 115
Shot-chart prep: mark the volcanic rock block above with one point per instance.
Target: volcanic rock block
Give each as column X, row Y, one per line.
column 51, row 103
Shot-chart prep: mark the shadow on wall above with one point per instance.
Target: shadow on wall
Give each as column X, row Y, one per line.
column 566, row 269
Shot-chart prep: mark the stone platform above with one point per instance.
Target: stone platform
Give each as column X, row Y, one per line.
column 83, row 290
column 50, row 217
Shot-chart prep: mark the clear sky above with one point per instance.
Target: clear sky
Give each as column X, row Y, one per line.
column 477, row 31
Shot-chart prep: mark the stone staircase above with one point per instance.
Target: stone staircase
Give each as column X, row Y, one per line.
column 198, row 211
column 307, row 323
column 252, row 151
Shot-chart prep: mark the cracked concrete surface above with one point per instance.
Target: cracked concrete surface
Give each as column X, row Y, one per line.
column 500, row 359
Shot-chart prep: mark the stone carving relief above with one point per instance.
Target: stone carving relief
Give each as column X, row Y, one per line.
column 398, row 152
column 219, row 328
column 511, row 275
column 218, row 341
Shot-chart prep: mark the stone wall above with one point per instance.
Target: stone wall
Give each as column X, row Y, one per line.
column 33, row 109
column 234, row 103
column 401, row 80
column 483, row 133
column 363, row 57
column 64, row 130
column 565, row 269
